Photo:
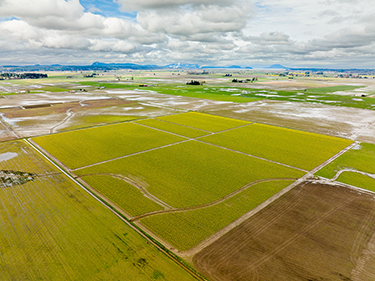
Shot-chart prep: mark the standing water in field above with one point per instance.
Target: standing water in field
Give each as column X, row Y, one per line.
column 7, row 156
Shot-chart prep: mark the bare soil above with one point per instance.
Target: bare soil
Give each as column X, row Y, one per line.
column 314, row 232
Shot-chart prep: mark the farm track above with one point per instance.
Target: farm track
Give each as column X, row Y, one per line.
column 352, row 171
column 136, row 185
column 7, row 127
column 210, row 204
column 121, row 216
column 69, row 116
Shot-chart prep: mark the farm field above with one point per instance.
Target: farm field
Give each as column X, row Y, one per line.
column 192, row 173
column 53, row 230
column 197, row 224
column 298, row 149
column 358, row 180
column 173, row 128
column 84, row 147
column 204, row 121
column 296, row 238
column 360, row 158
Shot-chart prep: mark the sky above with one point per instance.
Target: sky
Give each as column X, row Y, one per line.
column 294, row 33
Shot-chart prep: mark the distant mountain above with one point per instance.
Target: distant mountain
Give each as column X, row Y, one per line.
column 182, row 66
column 226, row 67
column 278, row 66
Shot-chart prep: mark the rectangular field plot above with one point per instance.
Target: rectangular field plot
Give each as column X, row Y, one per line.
column 192, row 173
column 53, row 230
column 88, row 146
column 361, row 157
column 209, row 123
column 173, row 128
column 296, row 148
column 313, row 232
column 186, row 229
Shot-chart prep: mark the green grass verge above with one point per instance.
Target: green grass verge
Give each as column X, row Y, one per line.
column 88, row 146
column 173, row 128
column 296, row 148
column 53, row 230
column 193, row 173
column 185, row 230
column 210, row 123
column 123, row 194
column 358, row 180
column 361, row 158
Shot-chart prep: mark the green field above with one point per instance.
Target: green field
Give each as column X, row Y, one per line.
column 123, row 194
column 209, row 123
column 193, row 173
column 185, row 230
column 296, row 148
column 358, row 180
column 53, row 230
column 173, row 128
column 361, row 158
column 84, row 147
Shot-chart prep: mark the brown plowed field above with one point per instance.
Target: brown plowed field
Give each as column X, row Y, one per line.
column 314, row 232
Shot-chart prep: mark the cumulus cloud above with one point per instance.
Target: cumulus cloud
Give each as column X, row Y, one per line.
column 198, row 31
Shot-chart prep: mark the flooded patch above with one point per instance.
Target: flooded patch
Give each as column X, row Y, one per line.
column 7, row 156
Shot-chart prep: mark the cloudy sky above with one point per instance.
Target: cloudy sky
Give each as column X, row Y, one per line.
column 315, row 33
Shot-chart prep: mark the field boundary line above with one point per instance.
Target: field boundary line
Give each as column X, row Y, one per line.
column 128, row 155
column 116, row 212
column 250, row 155
column 209, row 204
column 217, row 235
column 136, row 185
column 353, row 171
column 334, row 157
column 8, row 127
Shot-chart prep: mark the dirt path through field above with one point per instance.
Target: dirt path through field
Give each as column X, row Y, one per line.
column 353, row 171
column 137, row 185
column 210, row 204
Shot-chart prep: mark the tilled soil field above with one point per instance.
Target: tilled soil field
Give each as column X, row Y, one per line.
column 314, row 232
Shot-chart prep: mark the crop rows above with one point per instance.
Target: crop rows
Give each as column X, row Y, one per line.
column 173, row 128
column 84, row 147
column 202, row 121
column 193, row 173
column 299, row 149
column 185, row 230
column 52, row 230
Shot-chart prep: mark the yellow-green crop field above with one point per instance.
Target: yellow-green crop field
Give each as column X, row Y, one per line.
column 186, row 229
column 193, row 173
column 203, row 121
column 53, row 230
column 360, row 158
column 196, row 187
column 88, row 146
column 296, row 148
column 173, row 128
column 123, row 194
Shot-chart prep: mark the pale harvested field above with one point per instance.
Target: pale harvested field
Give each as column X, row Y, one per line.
column 314, row 232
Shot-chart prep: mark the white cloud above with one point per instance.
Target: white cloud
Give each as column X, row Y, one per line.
column 198, row 31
